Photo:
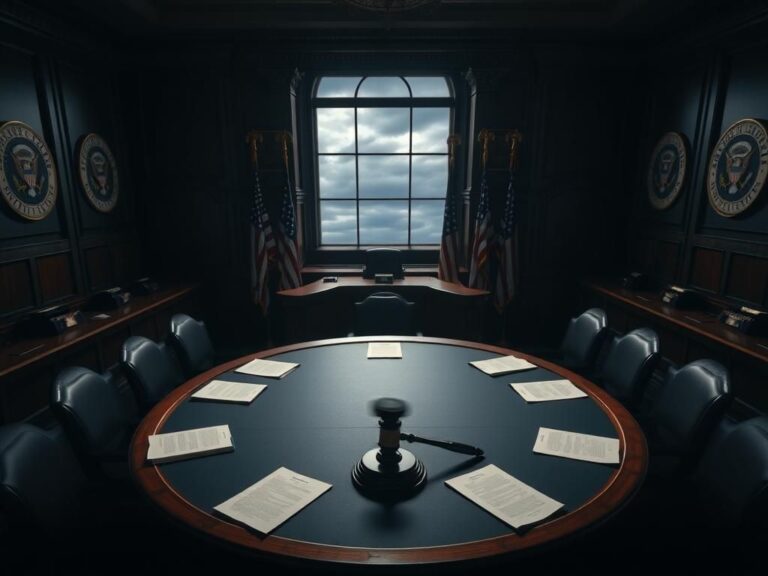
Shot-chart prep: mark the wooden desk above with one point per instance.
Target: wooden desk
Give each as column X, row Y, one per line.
column 316, row 422
column 28, row 365
column 325, row 309
column 687, row 335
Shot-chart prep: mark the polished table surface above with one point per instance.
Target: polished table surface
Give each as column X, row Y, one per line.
column 316, row 421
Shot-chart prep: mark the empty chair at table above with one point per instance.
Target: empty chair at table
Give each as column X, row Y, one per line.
column 384, row 313
column 89, row 408
column 628, row 365
column 192, row 344
column 690, row 404
column 151, row 370
column 583, row 338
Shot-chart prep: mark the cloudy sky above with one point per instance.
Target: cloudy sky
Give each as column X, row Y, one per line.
column 395, row 155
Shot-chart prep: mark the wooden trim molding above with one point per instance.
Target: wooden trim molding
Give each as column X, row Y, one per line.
column 620, row 487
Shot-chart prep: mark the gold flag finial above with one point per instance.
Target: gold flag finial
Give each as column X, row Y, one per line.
column 514, row 139
column 284, row 138
column 254, row 139
column 485, row 137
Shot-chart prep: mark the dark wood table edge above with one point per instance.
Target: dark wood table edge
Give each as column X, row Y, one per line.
column 620, row 487
column 429, row 282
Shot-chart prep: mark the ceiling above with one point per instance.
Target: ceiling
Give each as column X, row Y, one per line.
column 153, row 17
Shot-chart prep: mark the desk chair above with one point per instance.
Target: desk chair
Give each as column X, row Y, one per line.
column 689, row 405
column 385, row 313
column 89, row 409
column 383, row 261
column 583, row 339
column 192, row 344
column 151, row 370
column 629, row 364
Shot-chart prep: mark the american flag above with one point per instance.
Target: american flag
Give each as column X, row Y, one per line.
column 448, row 269
column 505, row 274
column 290, row 267
column 478, row 271
column 262, row 247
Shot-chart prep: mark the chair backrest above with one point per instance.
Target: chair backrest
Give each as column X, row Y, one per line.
column 689, row 406
column 190, row 340
column 384, row 313
column 151, row 371
column 40, row 482
column 89, row 409
column 629, row 363
column 383, row 261
column 732, row 478
column 583, row 339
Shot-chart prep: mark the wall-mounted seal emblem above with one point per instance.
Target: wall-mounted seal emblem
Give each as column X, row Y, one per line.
column 738, row 167
column 97, row 172
column 27, row 173
column 667, row 171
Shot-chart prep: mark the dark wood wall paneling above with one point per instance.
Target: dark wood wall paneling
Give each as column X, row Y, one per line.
column 63, row 89
column 726, row 258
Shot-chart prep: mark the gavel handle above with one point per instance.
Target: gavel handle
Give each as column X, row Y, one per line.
column 447, row 444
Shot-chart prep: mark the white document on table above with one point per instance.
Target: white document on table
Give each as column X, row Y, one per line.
column 548, row 390
column 385, row 350
column 189, row 444
column 224, row 391
column 504, row 496
column 273, row 499
column 503, row 365
column 577, row 446
column 267, row 368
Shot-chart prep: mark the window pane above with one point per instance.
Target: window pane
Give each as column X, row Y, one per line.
column 383, row 87
column 338, row 222
column 430, row 129
column 337, row 176
column 337, row 87
column 383, row 129
column 335, row 129
column 383, row 222
column 427, row 221
column 429, row 177
column 383, row 176
column 428, row 86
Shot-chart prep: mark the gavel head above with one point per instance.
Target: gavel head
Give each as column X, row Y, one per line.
column 390, row 409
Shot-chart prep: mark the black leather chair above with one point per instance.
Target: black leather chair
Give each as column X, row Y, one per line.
column 583, row 339
column 383, row 261
column 385, row 313
column 629, row 364
column 40, row 482
column 151, row 371
column 732, row 479
column 192, row 344
column 687, row 409
column 89, row 409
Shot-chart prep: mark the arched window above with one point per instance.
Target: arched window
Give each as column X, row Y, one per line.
column 381, row 159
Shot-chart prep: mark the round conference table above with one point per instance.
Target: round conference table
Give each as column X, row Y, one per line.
column 317, row 421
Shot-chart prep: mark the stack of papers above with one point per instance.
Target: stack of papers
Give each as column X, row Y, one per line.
column 504, row 496
column 267, row 368
column 223, row 391
column 189, row 444
column 273, row 499
column 503, row 365
column 577, row 446
column 548, row 390
column 385, row 350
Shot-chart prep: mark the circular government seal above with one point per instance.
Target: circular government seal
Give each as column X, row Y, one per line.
column 97, row 170
column 667, row 171
column 27, row 173
column 737, row 167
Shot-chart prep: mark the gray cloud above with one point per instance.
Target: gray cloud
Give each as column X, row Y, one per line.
column 383, row 222
column 429, row 176
column 337, row 87
column 430, row 129
column 427, row 221
column 428, row 86
column 383, row 129
column 383, row 176
column 383, row 87
column 337, row 176
column 336, row 129
column 338, row 222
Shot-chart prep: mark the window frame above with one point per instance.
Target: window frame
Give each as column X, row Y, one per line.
column 305, row 104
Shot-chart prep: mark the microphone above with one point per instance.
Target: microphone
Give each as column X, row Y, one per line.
column 447, row 444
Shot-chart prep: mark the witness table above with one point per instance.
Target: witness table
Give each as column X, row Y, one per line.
column 316, row 421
